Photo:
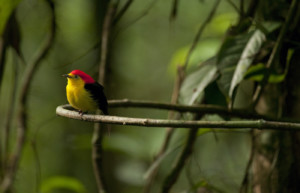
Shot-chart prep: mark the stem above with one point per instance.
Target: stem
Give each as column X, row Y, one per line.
column 199, row 33
column 275, row 51
column 97, row 151
column 187, row 151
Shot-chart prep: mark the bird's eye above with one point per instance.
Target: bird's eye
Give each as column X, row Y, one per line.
column 76, row 76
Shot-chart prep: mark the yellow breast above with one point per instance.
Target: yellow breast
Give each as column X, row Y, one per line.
column 78, row 97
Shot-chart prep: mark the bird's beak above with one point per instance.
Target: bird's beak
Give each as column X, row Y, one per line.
column 66, row 75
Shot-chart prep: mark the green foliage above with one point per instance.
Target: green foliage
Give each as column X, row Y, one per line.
column 193, row 86
column 62, row 182
column 251, row 49
column 6, row 9
column 257, row 72
column 227, row 59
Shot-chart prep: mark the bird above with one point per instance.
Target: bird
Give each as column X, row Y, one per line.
column 84, row 93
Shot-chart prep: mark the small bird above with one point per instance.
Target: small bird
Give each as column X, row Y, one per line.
column 84, row 93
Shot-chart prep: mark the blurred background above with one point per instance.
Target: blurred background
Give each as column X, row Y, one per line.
column 146, row 48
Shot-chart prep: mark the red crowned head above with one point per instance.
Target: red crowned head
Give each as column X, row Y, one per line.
column 85, row 77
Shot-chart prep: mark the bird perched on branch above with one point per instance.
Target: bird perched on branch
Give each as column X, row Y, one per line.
column 84, row 93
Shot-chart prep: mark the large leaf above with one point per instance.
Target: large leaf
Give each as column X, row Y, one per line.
column 227, row 59
column 192, row 88
column 6, row 9
column 62, row 182
column 251, row 49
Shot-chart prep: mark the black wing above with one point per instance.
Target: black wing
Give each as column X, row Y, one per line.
column 98, row 95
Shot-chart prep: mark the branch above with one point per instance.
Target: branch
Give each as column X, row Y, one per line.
column 275, row 51
column 66, row 111
column 199, row 33
column 22, row 103
column 173, row 14
column 122, row 12
column 108, row 19
column 97, row 151
column 187, row 151
column 204, row 109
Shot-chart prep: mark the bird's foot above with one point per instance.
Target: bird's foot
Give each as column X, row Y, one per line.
column 80, row 112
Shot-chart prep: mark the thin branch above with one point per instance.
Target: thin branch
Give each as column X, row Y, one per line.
column 139, row 17
column 106, row 30
column 9, row 115
column 122, row 12
column 234, row 6
column 241, row 8
column 245, row 182
column 207, row 109
column 199, row 33
column 97, row 151
column 187, row 151
column 174, row 10
column 66, row 111
column 275, row 51
column 22, row 104
column 169, row 130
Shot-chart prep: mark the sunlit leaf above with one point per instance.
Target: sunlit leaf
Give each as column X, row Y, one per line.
column 6, row 9
column 62, row 182
column 251, row 49
column 193, row 86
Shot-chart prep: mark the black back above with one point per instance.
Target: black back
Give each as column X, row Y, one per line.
column 98, row 95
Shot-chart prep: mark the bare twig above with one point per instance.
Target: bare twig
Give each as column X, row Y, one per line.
column 106, row 30
column 202, row 108
column 122, row 12
column 66, row 111
column 241, row 8
column 174, row 11
column 97, row 151
column 199, row 33
column 187, row 151
column 234, row 6
column 275, row 51
column 245, row 182
column 9, row 116
column 139, row 17
column 22, row 104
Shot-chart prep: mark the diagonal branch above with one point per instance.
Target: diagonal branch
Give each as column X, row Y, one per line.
column 185, row 154
column 122, row 12
column 22, row 104
column 200, row 31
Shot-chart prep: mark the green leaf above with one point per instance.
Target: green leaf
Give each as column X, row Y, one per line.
column 257, row 72
column 192, row 89
column 251, row 49
column 227, row 59
column 62, row 182
column 6, row 9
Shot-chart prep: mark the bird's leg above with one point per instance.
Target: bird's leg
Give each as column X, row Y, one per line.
column 80, row 112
